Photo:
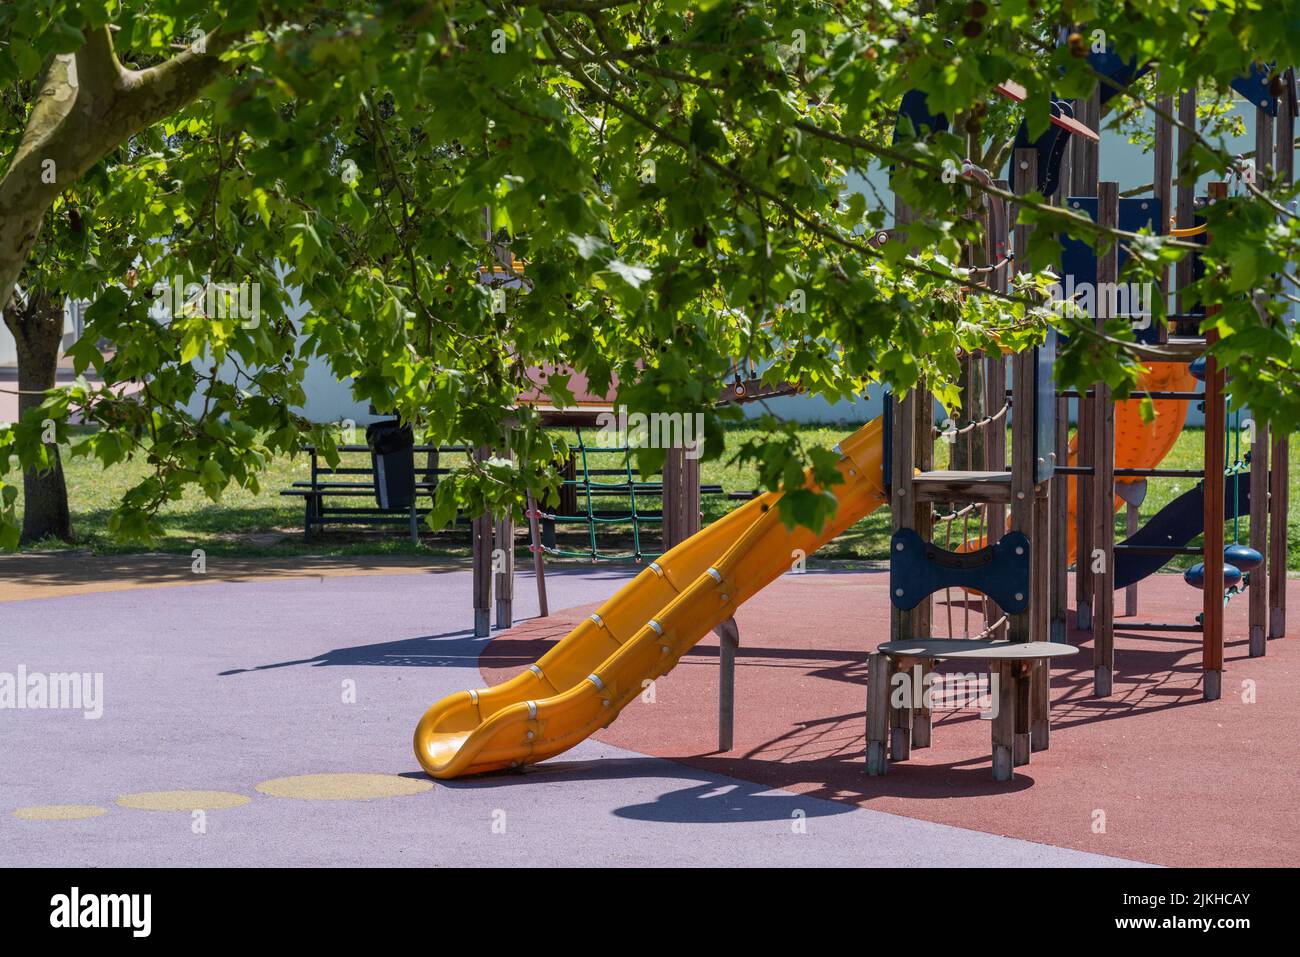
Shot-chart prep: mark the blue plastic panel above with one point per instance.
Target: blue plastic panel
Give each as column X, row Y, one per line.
column 1050, row 147
column 918, row 569
column 1079, row 261
column 1254, row 89
column 916, row 107
column 1121, row 72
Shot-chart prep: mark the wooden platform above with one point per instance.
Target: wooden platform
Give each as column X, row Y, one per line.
column 936, row 649
column 948, row 486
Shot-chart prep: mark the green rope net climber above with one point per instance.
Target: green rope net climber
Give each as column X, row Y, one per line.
column 606, row 483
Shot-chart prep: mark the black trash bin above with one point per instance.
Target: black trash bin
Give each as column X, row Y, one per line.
column 392, row 455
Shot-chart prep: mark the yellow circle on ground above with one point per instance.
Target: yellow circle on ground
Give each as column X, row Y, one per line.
column 59, row 812
column 349, row 786
column 182, row 800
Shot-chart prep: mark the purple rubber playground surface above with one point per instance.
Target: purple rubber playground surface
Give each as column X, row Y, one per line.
column 223, row 686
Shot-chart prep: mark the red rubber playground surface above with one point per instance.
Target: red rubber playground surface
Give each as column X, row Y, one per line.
column 1151, row 774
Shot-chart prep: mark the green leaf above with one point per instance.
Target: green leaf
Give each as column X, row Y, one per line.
column 634, row 276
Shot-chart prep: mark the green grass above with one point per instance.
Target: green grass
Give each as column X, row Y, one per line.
column 270, row 525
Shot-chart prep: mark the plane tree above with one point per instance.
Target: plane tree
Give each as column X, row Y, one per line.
column 680, row 181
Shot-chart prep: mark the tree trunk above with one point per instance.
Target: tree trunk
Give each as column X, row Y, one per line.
column 38, row 332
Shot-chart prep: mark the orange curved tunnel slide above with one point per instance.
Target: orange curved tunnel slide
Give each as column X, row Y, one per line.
column 586, row 679
column 1138, row 444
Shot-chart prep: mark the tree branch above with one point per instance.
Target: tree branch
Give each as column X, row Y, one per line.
column 98, row 69
column 156, row 93
column 88, row 105
column 779, row 202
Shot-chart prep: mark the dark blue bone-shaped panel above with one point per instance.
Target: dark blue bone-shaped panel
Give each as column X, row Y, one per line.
column 918, row 568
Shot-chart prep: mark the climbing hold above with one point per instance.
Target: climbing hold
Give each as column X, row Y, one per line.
column 1197, row 368
column 1243, row 557
column 1195, row 576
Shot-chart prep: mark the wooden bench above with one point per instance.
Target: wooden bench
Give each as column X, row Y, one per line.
column 323, row 487
column 906, row 726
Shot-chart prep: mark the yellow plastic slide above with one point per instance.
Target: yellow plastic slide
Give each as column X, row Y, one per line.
column 1138, row 444
column 583, row 682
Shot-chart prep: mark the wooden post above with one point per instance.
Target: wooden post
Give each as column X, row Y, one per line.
column 968, row 450
column 1054, row 528
column 482, row 548
column 1059, row 628
column 1103, row 541
column 670, row 500
column 1257, row 593
column 912, row 448
column 1024, row 493
column 1086, row 457
column 1058, row 523
column 1212, row 609
column 1279, row 496
column 1085, row 154
column 505, row 578
column 1085, row 172
column 1043, row 554
column 877, row 713
column 728, row 642
column 904, row 512
column 1132, row 518
column 1265, row 162
column 681, row 497
column 1024, row 694
column 1163, row 183
column 995, row 446
column 900, row 717
column 996, row 512
column 1103, row 479
column 691, row 496
column 539, row 564
column 1279, row 492
column 1185, row 192
column 922, row 717
column 1004, row 721
column 922, row 616
column 1215, row 413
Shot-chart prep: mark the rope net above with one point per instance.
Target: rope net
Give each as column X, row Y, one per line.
column 588, row 489
column 972, row 437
